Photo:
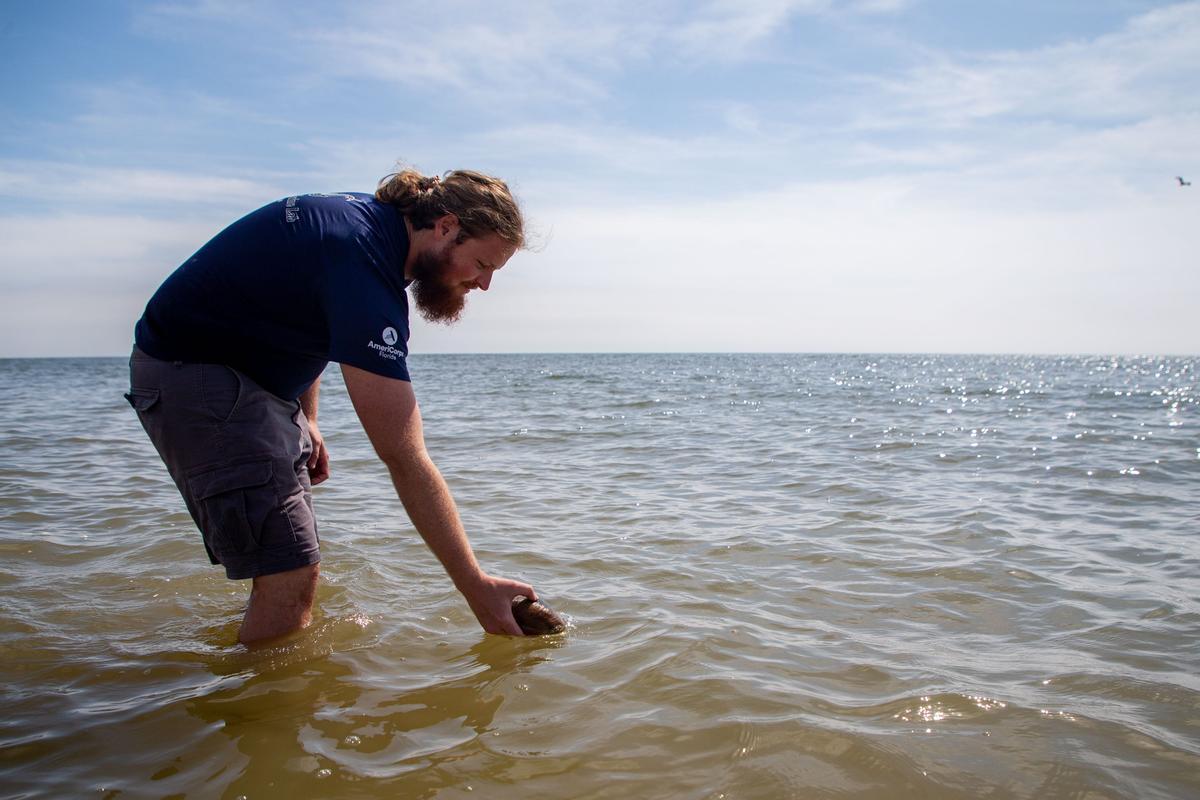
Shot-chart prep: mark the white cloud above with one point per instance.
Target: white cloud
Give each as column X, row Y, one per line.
column 74, row 284
column 496, row 55
column 68, row 321
column 605, row 147
column 140, row 111
column 736, row 30
column 991, row 201
column 887, row 265
column 81, row 185
column 507, row 54
column 1151, row 65
column 1118, row 106
column 880, row 6
column 728, row 29
column 94, row 250
column 199, row 10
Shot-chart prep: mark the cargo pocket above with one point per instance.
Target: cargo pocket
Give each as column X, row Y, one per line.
column 142, row 400
column 232, row 504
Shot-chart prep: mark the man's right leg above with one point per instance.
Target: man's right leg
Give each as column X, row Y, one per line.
column 238, row 455
column 280, row 604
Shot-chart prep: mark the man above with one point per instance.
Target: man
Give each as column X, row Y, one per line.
column 225, row 374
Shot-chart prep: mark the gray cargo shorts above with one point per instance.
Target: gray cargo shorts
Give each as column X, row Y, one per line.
column 238, row 455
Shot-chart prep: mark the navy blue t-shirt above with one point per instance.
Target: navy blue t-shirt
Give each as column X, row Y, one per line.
column 288, row 288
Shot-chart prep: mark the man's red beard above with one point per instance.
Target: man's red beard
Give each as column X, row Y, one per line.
column 437, row 301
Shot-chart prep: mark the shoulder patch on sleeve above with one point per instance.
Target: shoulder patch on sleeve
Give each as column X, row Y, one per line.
column 386, row 345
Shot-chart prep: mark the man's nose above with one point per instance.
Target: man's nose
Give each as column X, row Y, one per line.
column 484, row 280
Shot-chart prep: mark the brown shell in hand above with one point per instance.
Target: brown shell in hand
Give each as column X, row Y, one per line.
column 536, row 619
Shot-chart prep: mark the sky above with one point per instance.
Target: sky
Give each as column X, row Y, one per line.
column 752, row 176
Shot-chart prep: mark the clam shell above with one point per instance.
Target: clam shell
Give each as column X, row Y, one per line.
column 536, row 619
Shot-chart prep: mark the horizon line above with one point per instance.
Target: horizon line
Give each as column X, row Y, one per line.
column 1040, row 354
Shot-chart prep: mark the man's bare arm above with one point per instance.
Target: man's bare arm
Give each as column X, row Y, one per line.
column 308, row 401
column 318, row 460
column 389, row 414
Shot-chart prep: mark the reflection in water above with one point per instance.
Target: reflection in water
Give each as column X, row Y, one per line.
column 347, row 723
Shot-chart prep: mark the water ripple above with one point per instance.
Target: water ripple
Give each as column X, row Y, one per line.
column 877, row 576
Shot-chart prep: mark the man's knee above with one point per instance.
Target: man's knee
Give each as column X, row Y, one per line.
column 296, row 587
column 280, row 604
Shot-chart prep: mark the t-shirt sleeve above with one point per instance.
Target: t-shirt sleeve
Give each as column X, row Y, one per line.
column 367, row 317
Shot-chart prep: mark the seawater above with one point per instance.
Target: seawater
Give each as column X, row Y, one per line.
column 803, row 576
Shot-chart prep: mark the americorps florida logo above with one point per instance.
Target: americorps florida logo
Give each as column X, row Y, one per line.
column 387, row 349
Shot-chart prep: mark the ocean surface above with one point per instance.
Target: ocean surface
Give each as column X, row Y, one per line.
column 787, row 576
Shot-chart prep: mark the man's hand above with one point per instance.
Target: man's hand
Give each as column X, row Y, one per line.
column 491, row 600
column 318, row 460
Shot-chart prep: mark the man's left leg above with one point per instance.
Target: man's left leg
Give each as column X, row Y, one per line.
column 279, row 604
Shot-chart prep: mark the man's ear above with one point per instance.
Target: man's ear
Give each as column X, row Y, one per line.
column 446, row 227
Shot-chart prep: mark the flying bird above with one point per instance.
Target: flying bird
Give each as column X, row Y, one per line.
column 1182, row 182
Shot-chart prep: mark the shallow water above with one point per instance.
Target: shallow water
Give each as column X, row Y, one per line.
column 787, row 576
